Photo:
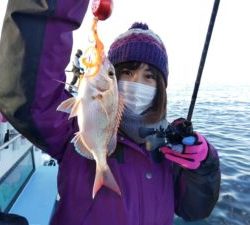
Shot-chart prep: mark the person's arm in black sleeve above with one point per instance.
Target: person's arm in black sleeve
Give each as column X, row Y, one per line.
column 196, row 171
column 197, row 191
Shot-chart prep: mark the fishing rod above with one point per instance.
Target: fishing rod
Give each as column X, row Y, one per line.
column 175, row 134
column 203, row 59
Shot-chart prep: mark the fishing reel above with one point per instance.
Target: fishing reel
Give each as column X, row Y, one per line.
column 178, row 133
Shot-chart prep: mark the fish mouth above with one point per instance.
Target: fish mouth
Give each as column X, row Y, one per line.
column 102, row 89
column 101, row 85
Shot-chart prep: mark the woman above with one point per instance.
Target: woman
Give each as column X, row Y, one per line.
column 153, row 185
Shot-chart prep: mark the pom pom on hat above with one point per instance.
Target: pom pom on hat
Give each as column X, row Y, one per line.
column 140, row 44
column 138, row 25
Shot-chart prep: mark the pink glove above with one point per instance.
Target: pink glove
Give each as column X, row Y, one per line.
column 191, row 156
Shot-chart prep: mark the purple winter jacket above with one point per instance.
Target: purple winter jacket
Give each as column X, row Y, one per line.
column 37, row 40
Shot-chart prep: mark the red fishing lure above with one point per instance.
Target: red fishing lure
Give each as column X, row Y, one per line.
column 102, row 9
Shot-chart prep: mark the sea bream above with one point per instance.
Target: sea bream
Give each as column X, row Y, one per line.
column 98, row 109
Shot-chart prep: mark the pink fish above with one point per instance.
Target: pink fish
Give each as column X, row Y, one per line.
column 98, row 108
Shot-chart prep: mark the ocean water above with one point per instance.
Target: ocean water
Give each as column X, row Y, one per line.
column 222, row 114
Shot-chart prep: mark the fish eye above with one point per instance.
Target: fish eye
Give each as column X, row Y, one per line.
column 111, row 74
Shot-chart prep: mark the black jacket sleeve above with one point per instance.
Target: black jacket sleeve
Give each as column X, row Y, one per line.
column 197, row 191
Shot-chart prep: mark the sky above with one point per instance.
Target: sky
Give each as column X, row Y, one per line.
column 182, row 25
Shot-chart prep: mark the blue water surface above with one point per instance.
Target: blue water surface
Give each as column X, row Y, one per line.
column 222, row 114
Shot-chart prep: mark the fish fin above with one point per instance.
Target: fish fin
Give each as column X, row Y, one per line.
column 81, row 146
column 105, row 178
column 74, row 109
column 103, row 107
column 66, row 105
column 113, row 140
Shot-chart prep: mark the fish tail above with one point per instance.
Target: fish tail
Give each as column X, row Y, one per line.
column 104, row 177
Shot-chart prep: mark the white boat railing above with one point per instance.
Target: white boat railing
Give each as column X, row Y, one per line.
column 6, row 144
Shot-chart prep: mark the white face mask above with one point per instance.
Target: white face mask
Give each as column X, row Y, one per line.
column 137, row 97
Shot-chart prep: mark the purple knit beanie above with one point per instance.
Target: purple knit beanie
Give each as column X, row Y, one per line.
column 140, row 44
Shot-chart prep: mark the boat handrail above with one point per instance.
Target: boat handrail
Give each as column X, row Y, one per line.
column 10, row 141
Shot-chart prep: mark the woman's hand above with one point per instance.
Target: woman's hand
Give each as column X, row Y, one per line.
column 186, row 148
